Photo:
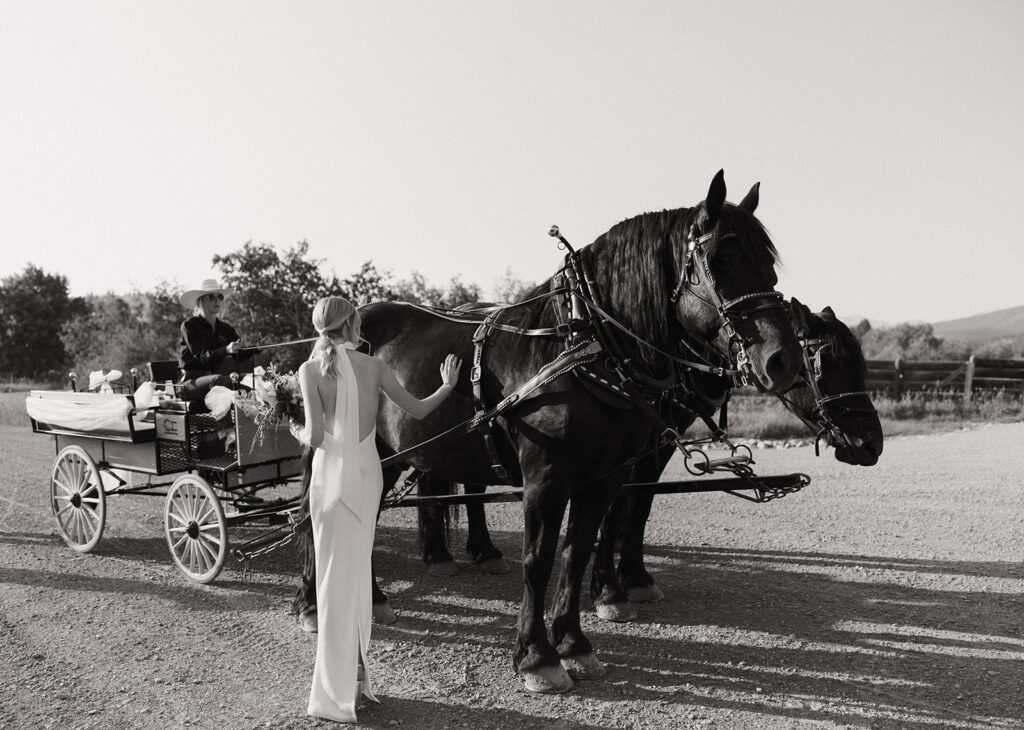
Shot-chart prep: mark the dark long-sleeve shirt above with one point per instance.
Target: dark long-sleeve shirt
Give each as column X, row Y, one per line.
column 203, row 348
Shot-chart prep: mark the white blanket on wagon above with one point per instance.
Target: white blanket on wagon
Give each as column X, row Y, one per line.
column 90, row 413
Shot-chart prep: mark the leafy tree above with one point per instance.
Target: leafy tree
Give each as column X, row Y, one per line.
column 33, row 307
column 1003, row 348
column 911, row 342
column 415, row 289
column 107, row 335
column 460, row 293
column 509, row 288
column 369, row 285
column 273, row 296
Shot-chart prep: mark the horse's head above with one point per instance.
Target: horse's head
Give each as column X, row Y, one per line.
column 833, row 400
column 725, row 290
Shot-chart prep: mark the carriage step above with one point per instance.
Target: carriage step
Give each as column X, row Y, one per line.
column 721, row 464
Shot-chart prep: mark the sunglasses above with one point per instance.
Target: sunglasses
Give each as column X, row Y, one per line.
column 211, row 297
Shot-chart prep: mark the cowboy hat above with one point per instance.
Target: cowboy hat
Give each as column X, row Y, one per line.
column 209, row 286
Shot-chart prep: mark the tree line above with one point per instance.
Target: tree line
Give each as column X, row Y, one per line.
column 44, row 332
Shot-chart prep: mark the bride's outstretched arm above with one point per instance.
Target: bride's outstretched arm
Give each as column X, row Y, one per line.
column 416, row 407
column 312, row 434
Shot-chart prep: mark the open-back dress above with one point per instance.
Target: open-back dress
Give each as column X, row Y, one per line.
column 344, row 493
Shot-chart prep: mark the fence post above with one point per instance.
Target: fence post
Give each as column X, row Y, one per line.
column 898, row 379
column 968, row 379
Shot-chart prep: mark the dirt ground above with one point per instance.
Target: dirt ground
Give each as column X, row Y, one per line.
column 889, row 597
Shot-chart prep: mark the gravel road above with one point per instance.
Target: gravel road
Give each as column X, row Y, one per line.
column 887, row 597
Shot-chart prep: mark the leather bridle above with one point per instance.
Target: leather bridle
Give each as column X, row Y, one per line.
column 822, row 423
column 696, row 267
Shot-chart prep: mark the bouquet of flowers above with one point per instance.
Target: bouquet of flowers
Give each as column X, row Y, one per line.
column 275, row 400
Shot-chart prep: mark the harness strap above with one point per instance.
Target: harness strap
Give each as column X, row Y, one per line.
column 485, row 427
column 536, row 332
column 710, row 369
column 566, row 362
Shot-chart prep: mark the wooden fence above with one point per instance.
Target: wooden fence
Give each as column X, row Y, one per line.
column 952, row 377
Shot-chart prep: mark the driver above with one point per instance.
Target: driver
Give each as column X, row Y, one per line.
column 210, row 347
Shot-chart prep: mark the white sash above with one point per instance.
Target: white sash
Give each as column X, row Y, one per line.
column 341, row 458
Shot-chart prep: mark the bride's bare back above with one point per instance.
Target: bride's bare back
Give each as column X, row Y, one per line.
column 372, row 376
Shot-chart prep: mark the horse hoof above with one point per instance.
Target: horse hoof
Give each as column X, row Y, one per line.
column 443, row 570
column 548, row 680
column 495, row 566
column 383, row 614
column 646, row 594
column 307, row 622
column 585, row 666
column 620, row 613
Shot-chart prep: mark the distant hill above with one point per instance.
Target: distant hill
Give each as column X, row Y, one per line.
column 982, row 328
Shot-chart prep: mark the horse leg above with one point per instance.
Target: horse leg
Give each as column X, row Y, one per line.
column 585, row 515
column 433, row 522
column 610, row 601
column 535, row 660
column 632, row 574
column 478, row 544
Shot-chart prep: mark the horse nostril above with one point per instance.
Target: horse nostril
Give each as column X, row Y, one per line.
column 778, row 368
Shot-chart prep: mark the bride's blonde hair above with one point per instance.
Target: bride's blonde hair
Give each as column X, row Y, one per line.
column 335, row 318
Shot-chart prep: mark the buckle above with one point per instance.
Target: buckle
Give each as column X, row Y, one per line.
column 564, row 329
column 474, row 374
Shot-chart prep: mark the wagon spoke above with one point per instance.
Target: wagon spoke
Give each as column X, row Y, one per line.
column 192, row 556
column 90, row 500
column 193, row 501
column 78, row 526
column 208, row 556
column 178, row 518
column 177, row 545
column 91, row 513
column 207, row 511
column 77, row 464
column 67, row 483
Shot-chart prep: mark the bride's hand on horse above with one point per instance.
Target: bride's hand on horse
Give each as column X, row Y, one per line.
column 450, row 370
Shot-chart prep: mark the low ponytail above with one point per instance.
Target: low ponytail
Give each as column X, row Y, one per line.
column 323, row 351
column 332, row 316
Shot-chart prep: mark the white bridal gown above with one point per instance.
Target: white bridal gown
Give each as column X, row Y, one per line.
column 344, row 493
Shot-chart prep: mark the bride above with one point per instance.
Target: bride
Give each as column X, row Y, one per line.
column 340, row 393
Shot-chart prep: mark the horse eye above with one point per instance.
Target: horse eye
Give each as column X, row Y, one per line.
column 725, row 259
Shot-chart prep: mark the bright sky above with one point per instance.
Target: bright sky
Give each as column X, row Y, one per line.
column 139, row 138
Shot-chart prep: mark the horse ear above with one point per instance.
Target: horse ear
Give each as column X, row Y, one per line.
column 800, row 315
column 827, row 311
column 716, row 197
column 749, row 203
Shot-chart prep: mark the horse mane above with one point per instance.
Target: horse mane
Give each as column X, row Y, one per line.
column 634, row 265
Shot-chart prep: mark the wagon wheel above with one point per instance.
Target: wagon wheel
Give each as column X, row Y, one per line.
column 77, row 499
column 197, row 533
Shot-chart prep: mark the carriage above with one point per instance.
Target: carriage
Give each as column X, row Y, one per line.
column 107, row 446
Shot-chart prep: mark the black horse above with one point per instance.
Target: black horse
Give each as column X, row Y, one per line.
column 704, row 275
column 831, row 399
